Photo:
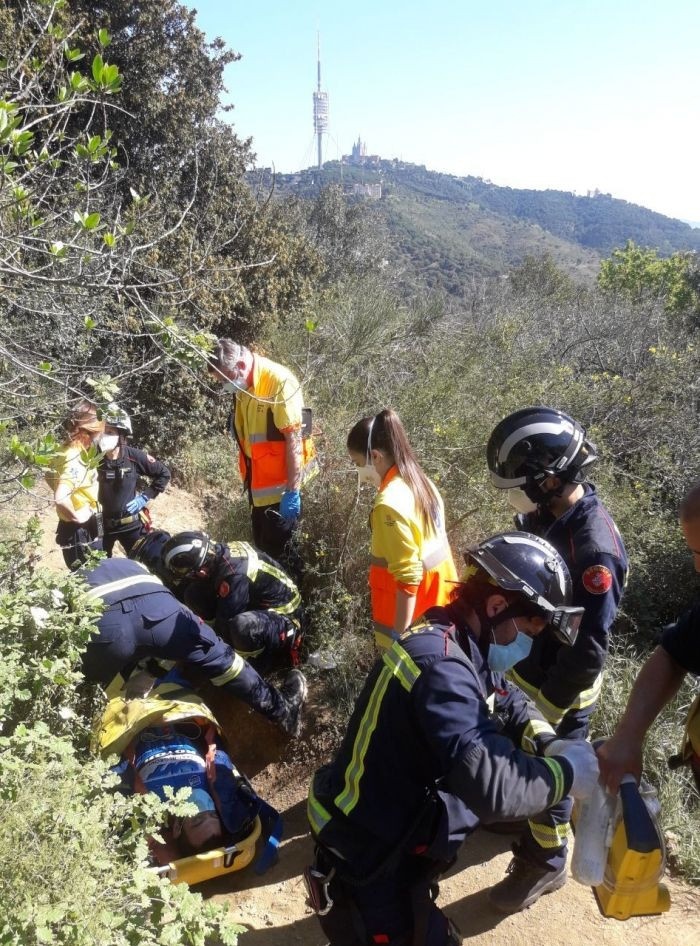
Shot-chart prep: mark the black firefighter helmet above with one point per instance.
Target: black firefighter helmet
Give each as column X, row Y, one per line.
column 531, row 566
column 534, row 443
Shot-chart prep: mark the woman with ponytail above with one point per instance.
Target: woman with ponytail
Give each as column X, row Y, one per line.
column 411, row 566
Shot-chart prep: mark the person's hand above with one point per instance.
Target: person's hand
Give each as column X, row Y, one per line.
column 617, row 757
column 582, row 758
column 136, row 504
column 290, row 505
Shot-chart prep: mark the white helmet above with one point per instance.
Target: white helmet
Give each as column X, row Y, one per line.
column 115, row 416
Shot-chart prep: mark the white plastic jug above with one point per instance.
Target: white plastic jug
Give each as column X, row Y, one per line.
column 593, row 837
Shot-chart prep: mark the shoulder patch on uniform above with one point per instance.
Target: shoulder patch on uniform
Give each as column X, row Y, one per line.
column 223, row 589
column 597, row 579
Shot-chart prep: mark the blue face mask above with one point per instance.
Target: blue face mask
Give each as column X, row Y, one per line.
column 502, row 657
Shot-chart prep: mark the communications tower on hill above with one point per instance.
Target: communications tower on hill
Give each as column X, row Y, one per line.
column 320, row 107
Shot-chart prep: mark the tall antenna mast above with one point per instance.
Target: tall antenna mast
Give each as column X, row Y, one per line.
column 320, row 106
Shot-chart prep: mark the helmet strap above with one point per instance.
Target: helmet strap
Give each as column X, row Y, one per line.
column 533, row 490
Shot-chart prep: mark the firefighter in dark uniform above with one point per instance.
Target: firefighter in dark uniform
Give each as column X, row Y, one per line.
column 253, row 603
column 660, row 679
column 541, row 456
column 124, row 513
column 142, row 620
column 148, row 549
column 438, row 741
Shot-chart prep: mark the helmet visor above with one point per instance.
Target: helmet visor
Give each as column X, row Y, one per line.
column 565, row 623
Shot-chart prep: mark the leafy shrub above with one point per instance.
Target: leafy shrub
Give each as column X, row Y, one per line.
column 73, row 852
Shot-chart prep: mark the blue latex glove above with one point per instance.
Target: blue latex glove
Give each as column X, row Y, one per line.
column 136, row 504
column 290, row 505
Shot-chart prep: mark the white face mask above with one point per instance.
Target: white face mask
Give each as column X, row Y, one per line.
column 520, row 501
column 107, row 442
column 368, row 474
column 232, row 386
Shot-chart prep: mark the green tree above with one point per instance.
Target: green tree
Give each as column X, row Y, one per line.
column 636, row 271
column 113, row 271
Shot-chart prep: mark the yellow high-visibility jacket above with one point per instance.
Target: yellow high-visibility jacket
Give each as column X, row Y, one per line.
column 405, row 557
column 68, row 467
column 262, row 416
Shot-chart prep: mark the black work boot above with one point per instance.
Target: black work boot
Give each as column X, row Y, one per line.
column 293, row 692
column 524, row 883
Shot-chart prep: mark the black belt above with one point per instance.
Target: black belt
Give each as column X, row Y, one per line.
column 124, row 521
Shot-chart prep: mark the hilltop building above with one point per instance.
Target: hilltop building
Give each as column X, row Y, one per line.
column 358, row 155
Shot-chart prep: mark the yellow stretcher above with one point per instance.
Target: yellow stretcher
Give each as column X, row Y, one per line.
column 222, row 860
column 170, row 702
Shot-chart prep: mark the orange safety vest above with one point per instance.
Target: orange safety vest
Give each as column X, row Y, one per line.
column 431, row 549
column 260, row 423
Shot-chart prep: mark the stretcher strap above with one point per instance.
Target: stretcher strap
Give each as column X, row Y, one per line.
column 273, row 828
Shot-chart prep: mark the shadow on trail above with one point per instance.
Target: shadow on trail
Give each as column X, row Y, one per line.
column 474, row 915
column 305, row 931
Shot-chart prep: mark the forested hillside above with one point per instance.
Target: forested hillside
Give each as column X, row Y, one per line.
column 447, row 230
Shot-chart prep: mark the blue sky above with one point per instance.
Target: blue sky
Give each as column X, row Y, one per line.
column 567, row 94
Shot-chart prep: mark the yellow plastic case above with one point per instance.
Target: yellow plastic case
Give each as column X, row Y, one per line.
column 636, row 862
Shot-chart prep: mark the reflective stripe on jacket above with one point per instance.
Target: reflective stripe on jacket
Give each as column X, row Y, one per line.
column 405, row 556
column 117, row 579
column 560, row 678
column 431, row 720
column 261, row 422
column 248, row 580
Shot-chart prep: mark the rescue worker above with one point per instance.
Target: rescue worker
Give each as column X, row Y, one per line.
column 254, row 604
column 411, row 563
column 123, row 507
column 74, row 484
column 542, row 457
column 143, row 619
column 276, row 454
column 660, row 679
column 148, row 549
column 438, row 741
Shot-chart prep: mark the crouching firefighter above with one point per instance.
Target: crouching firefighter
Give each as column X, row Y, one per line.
column 437, row 718
column 143, row 619
column 254, row 604
column 124, row 508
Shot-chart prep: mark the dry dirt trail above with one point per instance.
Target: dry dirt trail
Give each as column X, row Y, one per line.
column 273, row 907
